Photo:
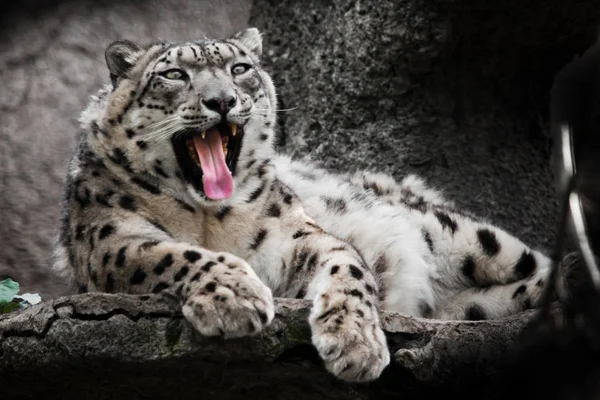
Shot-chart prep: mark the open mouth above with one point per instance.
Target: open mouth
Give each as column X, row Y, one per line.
column 208, row 158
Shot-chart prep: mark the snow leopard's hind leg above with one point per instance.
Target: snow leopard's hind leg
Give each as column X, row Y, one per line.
column 482, row 271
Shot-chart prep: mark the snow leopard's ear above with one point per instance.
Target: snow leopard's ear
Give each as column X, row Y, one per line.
column 121, row 56
column 251, row 39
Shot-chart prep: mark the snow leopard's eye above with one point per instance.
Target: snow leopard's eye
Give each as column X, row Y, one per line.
column 239, row 69
column 174, row 74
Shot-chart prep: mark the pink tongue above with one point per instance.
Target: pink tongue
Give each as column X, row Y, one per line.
column 218, row 183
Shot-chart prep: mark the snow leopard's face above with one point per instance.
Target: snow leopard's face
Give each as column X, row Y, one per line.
column 201, row 108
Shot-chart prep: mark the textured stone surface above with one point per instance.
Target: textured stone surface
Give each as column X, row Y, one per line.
column 51, row 60
column 144, row 348
column 456, row 91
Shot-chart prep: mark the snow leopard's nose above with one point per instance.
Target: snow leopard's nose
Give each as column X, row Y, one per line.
column 222, row 105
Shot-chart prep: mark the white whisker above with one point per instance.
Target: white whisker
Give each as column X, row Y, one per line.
column 277, row 110
column 161, row 130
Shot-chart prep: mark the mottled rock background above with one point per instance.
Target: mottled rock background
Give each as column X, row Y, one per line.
column 51, row 60
column 455, row 90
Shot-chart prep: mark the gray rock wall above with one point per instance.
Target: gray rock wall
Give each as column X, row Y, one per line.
column 51, row 60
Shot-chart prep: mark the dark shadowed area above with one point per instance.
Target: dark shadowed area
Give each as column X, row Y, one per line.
column 51, row 61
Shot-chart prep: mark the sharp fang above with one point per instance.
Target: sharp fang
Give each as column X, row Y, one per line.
column 203, row 134
column 233, row 129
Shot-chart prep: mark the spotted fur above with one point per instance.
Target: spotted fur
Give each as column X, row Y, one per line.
column 133, row 222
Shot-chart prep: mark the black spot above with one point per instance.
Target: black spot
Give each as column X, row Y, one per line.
column 186, row 206
column 369, row 288
column 326, row 314
column 110, row 283
column 221, row 259
column 91, row 236
column 274, row 211
column 428, row 240
column 488, row 241
column 334, row 205
column 373, row 186
column 181, row 273
column 262, row 316
column 312, row 262
column 263, row 136
column 166, row 262
column 192, row 255
column 446, row 221
column 104, row 197
column 520, row 290
column 256, row 193
column 301, row 293
column 263, row 169
column 425, row 309
column 475, row 313
column 335, row 269
column 82, row 194
column 356, row 293
column 94, row 277
column 149, row 187
column 148, row 244
column 160, row 286
column 526, row 265
column 468, row 268
column 206, row 267
column 127, row 202
column 355, row 272
column 300, row 260
column 258, row 239
column 141, row 144
column 160, row 171
column 222, row 213
column 130, row 133
column 120, row 260
column 105, row 259
column 119, row 157
column 158, row 225
column 211, row 287
column 138, row 277
column 299, row 233
column 287, row 197
column 195, row 277
column 106, row 231
column 79, row 230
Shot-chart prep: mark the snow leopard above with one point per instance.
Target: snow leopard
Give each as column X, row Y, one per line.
column 175, row 186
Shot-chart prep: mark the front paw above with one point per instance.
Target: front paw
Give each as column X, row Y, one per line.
column 229, row 300
column 351, row 343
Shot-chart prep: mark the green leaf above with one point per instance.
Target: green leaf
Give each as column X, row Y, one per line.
column 8, row 290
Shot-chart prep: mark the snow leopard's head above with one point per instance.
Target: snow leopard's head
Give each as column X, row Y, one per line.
column 197, row 112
